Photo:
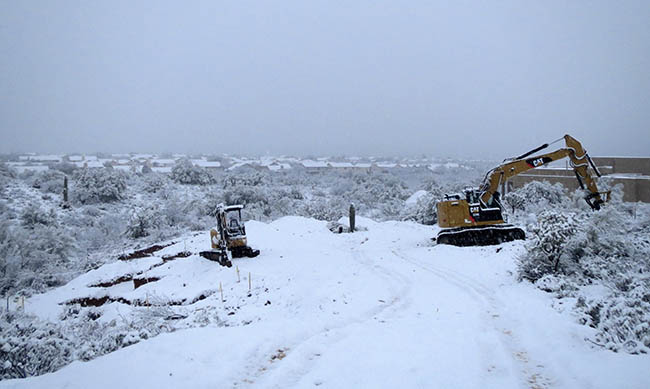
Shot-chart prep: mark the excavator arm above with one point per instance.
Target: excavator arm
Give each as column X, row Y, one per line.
column 578, row 158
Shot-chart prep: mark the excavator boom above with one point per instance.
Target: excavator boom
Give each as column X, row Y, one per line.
column 578, row 158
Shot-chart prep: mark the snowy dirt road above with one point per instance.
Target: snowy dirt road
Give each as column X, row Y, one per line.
column 381, row 308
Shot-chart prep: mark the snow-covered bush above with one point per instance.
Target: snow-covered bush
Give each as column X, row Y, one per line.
column 324, row 209
column 244, row 177
column 29, row 346
column 184, row 172
column 144, row 221
column 547, row 248
column 34, row 215
column 569, row 253
column 536, row 196
column 67, row 168
column 98, row 185
column 155, row 182
column 6, row 171
column 49, row 181
column 33, row 258
column 422, row 211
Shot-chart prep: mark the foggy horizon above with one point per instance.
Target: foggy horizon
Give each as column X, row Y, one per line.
column 465, row 80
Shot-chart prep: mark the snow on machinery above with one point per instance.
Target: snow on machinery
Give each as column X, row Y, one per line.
column 474, row 218
column 228, row 238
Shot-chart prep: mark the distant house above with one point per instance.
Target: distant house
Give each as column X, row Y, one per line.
column 207, row 164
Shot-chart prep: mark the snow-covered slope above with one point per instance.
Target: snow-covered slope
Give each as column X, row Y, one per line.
column 377, row 308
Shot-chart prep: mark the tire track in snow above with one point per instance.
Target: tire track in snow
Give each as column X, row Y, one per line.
column 532, row 374
column 308, row 349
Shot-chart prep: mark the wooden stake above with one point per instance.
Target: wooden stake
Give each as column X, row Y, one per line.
column 249, row 282
column 221, row 291
column 237, row 268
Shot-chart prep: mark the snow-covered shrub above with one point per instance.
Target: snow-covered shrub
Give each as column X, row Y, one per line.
column 49, row 181
column 146, row 169
column 246, row 195
column 245, row 177
column 6, row 171
column 547, row 246
column 622, row 319
column 536, row 196
column 30, row 346
column 67, row 168
column 184, row 172
column 608, row 249
column 34, row 251
column 423, row 211
column 324, row 209
column 154, row 182
column 144, row 221
column 98, row 185
column 34, row 215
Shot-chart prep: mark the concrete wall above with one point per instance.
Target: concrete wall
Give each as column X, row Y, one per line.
column 639, row 165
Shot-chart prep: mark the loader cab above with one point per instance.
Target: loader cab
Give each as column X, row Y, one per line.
column 233, row 220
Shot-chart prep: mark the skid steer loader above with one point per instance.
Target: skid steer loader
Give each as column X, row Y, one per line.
column 228, row 238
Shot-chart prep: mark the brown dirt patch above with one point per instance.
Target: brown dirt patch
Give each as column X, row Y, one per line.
column 99, row 301
column 138, row 282
column 144, row 252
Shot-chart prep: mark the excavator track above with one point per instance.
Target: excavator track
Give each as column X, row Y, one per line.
column 218, row 256
column 480, row 236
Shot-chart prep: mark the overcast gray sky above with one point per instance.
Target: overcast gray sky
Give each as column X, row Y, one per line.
column 472, row 78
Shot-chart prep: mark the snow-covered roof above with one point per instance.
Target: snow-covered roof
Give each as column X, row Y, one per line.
column 238, row 165
column 203, row 163
column 278, row 166
column 311, row 163
column 93, row 164
column 34, row 168
column 164, row 161
column 340, row 164
column 124, row 168
column 46, row 158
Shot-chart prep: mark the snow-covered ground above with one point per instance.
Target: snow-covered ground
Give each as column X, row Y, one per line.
column 377, row 308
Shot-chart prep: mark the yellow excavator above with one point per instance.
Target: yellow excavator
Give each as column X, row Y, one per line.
column 474, row 218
